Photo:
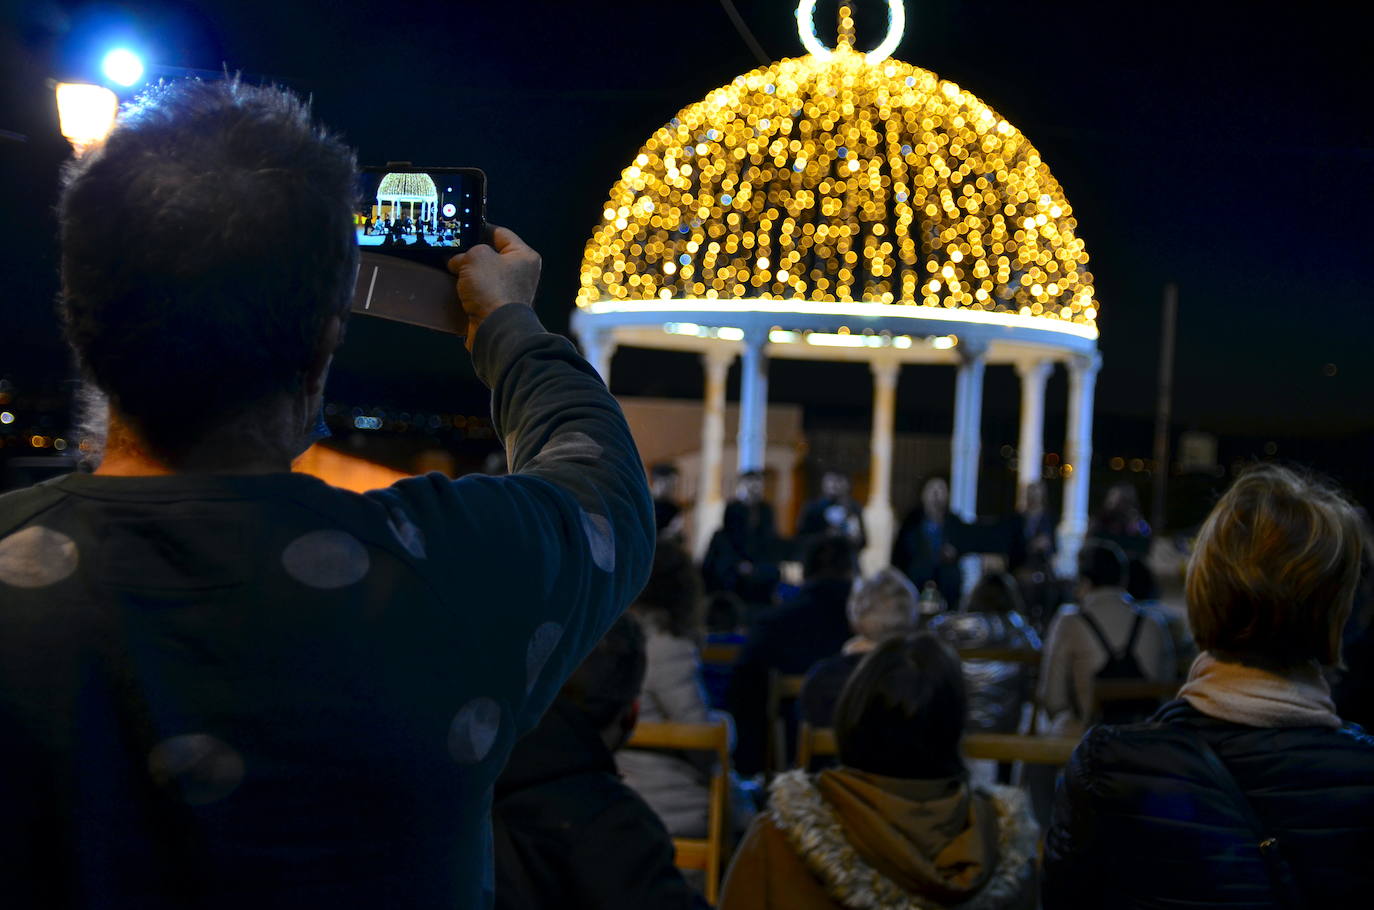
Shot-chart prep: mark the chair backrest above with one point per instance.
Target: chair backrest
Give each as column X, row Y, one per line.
column 781, row 688
column 1128, row 700
column 1026, row 656
column 723, row 654
column 815, row 742
column 706, row 854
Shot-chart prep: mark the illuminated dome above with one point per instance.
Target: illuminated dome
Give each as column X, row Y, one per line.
column 835, row 179
column 408, row 185
column 847, row 206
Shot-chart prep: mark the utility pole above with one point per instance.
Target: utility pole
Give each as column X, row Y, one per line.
column 1169, row 320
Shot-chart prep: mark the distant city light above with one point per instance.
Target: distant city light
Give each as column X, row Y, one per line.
column 6, row 417
column 122, row 66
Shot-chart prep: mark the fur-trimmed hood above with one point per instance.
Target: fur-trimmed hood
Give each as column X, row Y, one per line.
column 879, row 844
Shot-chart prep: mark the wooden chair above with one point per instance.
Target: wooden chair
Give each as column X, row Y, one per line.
column 814, row 742
column 1144, row 691
column 706, row 854
column 724, row 655
column 1025, row 656
column 780, row 689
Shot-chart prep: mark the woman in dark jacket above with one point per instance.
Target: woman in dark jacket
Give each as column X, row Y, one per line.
column 1248, row 791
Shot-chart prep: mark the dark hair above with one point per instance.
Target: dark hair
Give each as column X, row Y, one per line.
column 901, row 714
column 205, row 245
column 724, row 612
column 610, row 677
column 1102, row 563
column 664, row 469
column 672, row 598
column 831, row 557
column 1140, row 581
column 1274, row 570
column 994, row 593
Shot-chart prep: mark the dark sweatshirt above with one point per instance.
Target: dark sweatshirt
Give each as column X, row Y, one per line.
column 261, row 691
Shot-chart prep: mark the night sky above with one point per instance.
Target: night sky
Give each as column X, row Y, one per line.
column 1228, row 147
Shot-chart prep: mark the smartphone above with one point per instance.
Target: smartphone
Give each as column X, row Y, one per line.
column 409, row 222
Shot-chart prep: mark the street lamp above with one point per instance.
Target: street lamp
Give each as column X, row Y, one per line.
column 86, row 113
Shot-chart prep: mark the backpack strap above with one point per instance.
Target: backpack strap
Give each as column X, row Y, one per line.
column 1135, row 631
column 1098, row 634
column 1281, row 877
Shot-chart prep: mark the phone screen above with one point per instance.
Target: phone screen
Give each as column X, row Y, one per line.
column 420, row 213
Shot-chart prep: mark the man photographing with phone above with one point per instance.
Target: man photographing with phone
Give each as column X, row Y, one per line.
column 226, row 685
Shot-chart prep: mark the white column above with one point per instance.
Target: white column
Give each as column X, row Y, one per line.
column 1078, row 454
column 753, row 401
column 710, row 507
column 878, row 518
column 966, row 444
column 599, row 347
column 1030, row 448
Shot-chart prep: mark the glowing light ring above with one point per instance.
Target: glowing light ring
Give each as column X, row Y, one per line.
column 806, row 30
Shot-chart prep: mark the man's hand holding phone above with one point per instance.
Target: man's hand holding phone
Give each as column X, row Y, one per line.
column 490, row 277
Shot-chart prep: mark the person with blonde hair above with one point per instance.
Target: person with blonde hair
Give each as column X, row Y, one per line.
column 880, row 606
column 1248, row 790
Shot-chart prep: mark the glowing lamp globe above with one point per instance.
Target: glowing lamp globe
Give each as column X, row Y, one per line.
column 122, row 67
column 85, row 113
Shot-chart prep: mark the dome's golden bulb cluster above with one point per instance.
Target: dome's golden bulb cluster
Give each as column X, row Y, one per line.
column 407, row 184
column 838, row 180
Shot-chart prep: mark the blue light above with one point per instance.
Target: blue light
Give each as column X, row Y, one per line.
column 685, row 259
column 726, row 199
column 122, row 66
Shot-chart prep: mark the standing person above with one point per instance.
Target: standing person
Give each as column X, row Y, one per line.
column 569, row 833
column 743, row 555
column 668, row 515
column 789, row 640
column 223, row 684
column 1122, row 522
column 925, row 548
column 897, row 823
column 1247, row 791
column 1105, row 628
column 670, row 608
column 835, row 513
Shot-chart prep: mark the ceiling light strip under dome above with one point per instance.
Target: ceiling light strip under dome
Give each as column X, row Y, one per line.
column 864, row 310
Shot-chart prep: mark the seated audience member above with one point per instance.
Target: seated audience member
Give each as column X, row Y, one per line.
column 1106, row 634
column 724, row 626
column 880, row 606
column 925, row 546
column 834, row 514
column 676, row 786
column 223, row 684
column 1247, row 791
column 568, row 832
column 991, row 618
column 789, row 640
column 897, row 823
column 743, row 556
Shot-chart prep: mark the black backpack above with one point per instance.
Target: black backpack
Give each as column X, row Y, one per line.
column 1120, row 666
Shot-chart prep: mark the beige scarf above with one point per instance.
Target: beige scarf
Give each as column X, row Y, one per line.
column 1259, row 698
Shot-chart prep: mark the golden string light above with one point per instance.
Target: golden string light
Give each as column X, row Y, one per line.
column 830, row 178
